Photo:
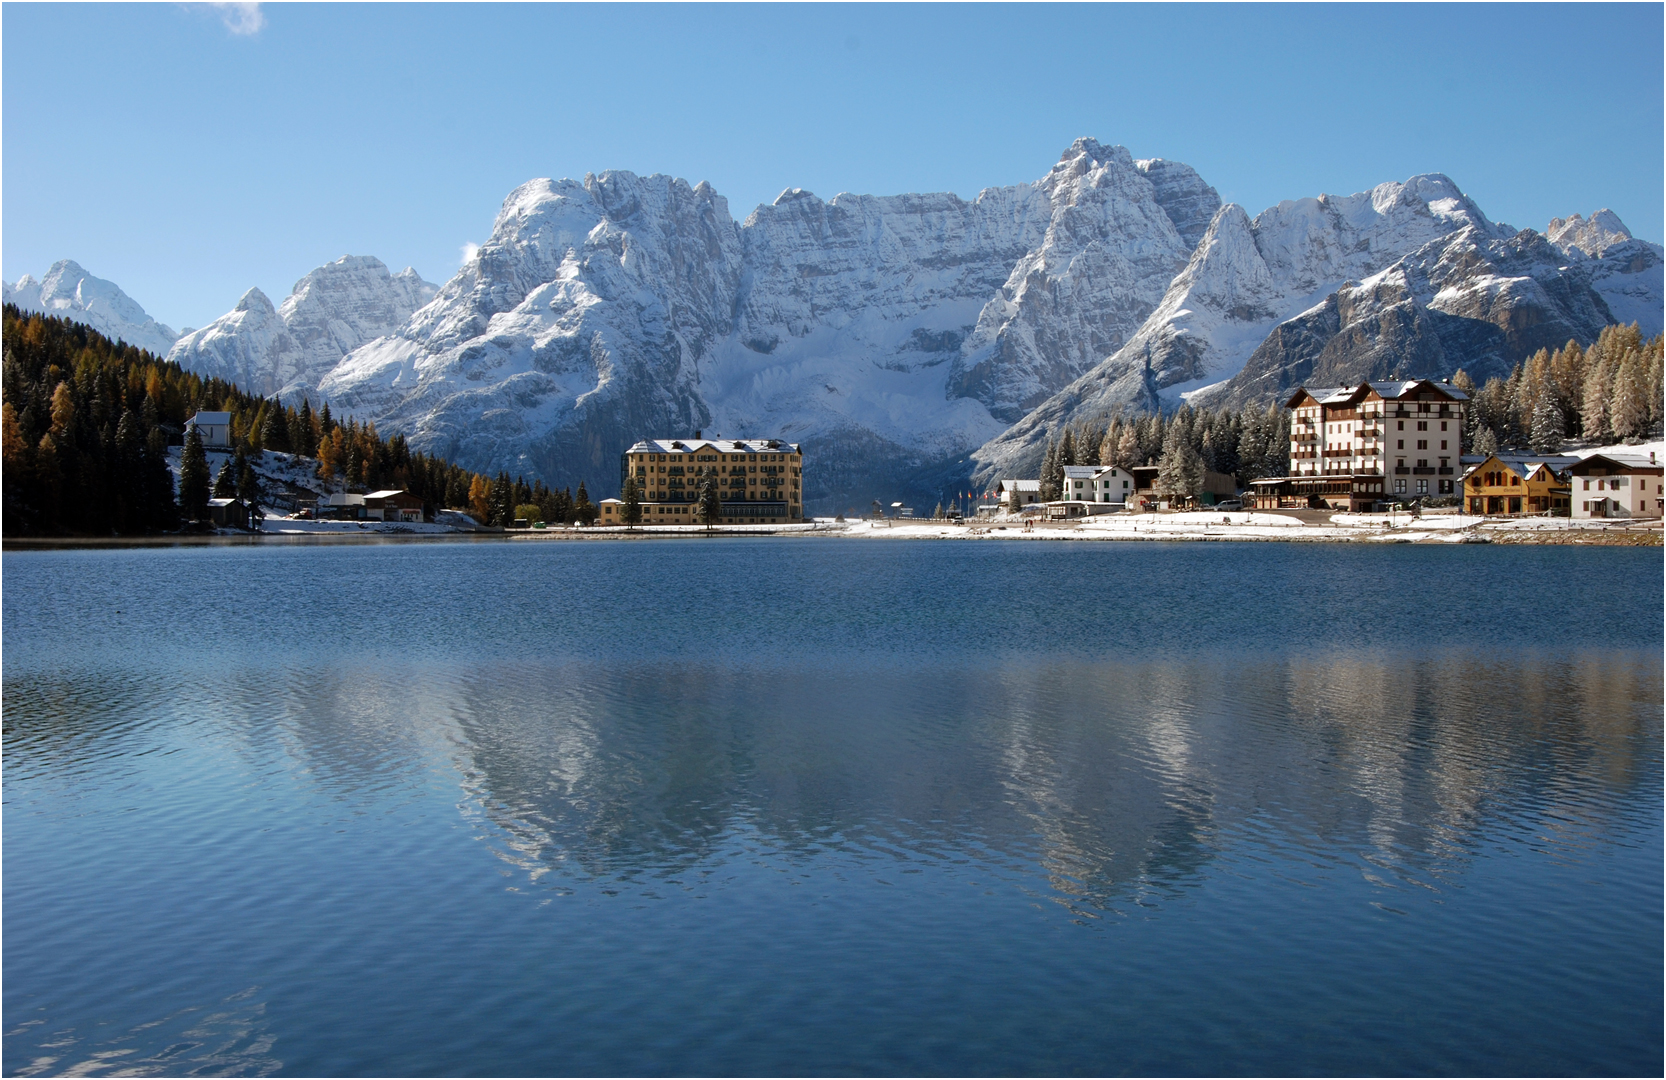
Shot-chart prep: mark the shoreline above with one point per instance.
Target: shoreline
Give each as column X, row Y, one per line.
column 1302, row 527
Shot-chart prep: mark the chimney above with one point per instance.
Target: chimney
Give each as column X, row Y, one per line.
column 696, row 433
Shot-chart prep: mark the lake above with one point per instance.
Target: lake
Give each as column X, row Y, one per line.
column 804, row 806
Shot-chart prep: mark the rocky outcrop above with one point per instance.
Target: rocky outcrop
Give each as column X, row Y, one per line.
column 287, row 350
column 890, row 332
column 1109, row 251
column 1625, row 271
column 69, row 292
column 1243, row 280
column 1469, row 301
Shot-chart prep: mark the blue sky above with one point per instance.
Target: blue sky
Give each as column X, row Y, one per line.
column 189, row 152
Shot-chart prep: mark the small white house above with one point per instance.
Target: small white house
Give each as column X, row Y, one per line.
column 1617, row 486
column 1097, row 484
column 214, row 428
column 1017, row 494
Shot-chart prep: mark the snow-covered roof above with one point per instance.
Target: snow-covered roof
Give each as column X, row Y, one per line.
column 720, row 446
column 1388, row 391
column 221, row 502
column 1624, row 461
column 1520, row 464
column 1085, row 472
column 1020, row 485
column 389, row 493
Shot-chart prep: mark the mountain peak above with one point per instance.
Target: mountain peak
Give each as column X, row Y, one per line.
column 1592, row 235
column 255, row 300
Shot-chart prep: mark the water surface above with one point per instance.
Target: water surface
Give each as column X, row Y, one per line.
column 802, row 806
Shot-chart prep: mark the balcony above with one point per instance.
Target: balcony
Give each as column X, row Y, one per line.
column 1444, row 472
column 1401, row 470
column 1421, row 470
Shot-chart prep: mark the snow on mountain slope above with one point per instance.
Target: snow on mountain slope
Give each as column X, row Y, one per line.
column 1244, row 279
column 1627, row 272
column 69, row 292
column 890, row 331
column 1468, row 300
column 288, row 349
column 1108, row 254
column 580, row 325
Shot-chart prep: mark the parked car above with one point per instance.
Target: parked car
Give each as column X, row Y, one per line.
column 1230, row 504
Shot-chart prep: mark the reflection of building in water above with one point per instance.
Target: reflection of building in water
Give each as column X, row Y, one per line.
column 1109, row 781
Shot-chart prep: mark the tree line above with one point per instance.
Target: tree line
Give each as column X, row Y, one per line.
column 87, row 423
column 1608, row 392
column 1247, row 445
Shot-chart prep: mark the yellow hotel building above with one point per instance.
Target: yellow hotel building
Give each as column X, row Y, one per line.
column 759, row 481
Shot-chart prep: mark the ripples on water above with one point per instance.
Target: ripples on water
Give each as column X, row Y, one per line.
column 830, row 808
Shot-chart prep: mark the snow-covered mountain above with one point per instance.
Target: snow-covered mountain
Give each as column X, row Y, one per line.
column 288, row 349
column 892, row 332
column 1627, row 272
column 69, row 292
column 1409, row 278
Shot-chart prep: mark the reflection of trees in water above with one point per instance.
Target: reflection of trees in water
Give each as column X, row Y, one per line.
column 1113, row 779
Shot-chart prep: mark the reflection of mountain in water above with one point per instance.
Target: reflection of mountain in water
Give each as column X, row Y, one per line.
column 1113, row 780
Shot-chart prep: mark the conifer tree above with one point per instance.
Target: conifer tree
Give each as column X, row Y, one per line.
column 1049, row 462
column 584, row 511
column 225, row 481
column 274, row 429
column 1593, row 410
column 1486, row 442
column 193, row 478
column 708, row 508
column 1180, row 469
column 1067, row 450
column 1547, row 434
column 1628, row 408
column 630, row 499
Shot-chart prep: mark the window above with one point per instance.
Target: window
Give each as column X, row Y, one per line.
column 1515, row 481
column 1587, row 488
column 1400, row 444
column 1423, row 444
column 1423, row 487
column 1423, row 425
column 1400, row 486
column 1443, row 428
column 1400, row 425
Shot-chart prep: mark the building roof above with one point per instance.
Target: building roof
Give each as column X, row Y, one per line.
column 210, row 418
column 1085, row 472
column 1620, row 461
column 221, row 502
column 1388, row 391
column 1520, row 464
column 720, row 446
column 389, row 493
column 1020, row 485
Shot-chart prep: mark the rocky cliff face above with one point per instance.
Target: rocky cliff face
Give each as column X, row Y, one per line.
column 890, row 332
column 1244, row 279
column 1469, row 301
column 287, row 350
column 1625, row 272
column 69, row 292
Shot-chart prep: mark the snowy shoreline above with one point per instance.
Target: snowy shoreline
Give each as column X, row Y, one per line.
column 1237, row 526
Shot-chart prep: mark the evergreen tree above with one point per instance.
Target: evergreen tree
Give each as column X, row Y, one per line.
column 274, row 429
column 1049, row 463
column 630, row 509
column 584, row 511
column 1180, row 469
column 193, row 478
column 708, row 509
column 1486, row 442
column 1067, row 450
column 225, row 481
column 1547, row 434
